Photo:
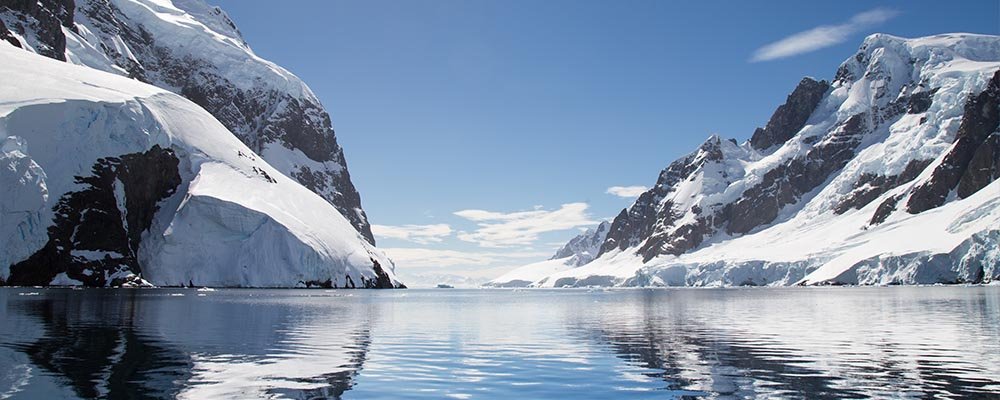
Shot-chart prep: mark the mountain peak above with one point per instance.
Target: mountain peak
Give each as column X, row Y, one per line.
column 790, row 117
column 825, row 191
column 584, row 247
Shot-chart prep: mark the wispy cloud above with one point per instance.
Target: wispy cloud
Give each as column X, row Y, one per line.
column 627, row 191
column 822, row 36
column 498, row 229
column 420, row 234
column 435, row 258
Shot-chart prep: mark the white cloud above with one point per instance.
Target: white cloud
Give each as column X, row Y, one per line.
column 822, row 36
column 421, row 234
column 432, row 258
column 497, row 229
column 627, row 191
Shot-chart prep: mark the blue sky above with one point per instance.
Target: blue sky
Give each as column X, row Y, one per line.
column 483, row 134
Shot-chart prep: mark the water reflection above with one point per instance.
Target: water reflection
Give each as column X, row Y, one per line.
column 172, row 344
column 757, row 343
column 314, row 344
column 97, row 360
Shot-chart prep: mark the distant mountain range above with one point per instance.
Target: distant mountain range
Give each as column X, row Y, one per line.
column 885, row 174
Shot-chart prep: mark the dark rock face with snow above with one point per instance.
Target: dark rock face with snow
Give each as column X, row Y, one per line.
column 282, row 121
column 983, row 168
column 585, row 247
column 872, row 185
column 907, row 133
column 972, row 143
column 644, row 224
column 97, row 229
column 790, row 117
column 41, row 21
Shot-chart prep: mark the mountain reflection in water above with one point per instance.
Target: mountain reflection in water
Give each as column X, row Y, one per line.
column 316, row 344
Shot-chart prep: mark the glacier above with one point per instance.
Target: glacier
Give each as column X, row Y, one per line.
column 113, row 182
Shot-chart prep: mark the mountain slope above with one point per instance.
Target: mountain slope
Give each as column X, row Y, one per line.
column 195, row 50
column 884, row 175
column 580, row 250
column 113, row 182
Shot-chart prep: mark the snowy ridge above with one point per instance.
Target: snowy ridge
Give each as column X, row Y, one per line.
column 585, row 247
column 172, row 194
column 885, row 175
column 580, row 250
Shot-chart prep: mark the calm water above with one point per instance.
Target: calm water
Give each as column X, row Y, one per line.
column 304, row 344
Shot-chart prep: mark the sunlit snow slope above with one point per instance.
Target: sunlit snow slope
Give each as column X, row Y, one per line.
column 580, row 250
column 110, row 181
column 886, row 175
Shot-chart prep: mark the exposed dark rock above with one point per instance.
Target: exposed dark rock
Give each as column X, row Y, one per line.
column 984, row 168
column 263, row 174
column 636, row 224
column 620, row 232
column 382, row 280
column 884, row 210
column 790, row 117
column 979, row 275
column 652, row 221
column 45, row 19
column 633, row 225
column 921, row 102
column 327, row 284
column 103, row 222
column 786, row 184
column 981, row 118
column 870, row 186
column 6, row 36
column 678, row 241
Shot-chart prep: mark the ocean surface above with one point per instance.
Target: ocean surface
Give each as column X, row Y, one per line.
column 838, row 342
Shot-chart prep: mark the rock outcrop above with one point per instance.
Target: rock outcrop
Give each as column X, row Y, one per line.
column 790, row 117
column 980, row 122
column 95, row 237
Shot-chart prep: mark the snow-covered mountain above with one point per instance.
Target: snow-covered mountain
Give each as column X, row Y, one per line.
column 887, row 174
column 580, row 250
column 111, row 181
column 195, row 50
